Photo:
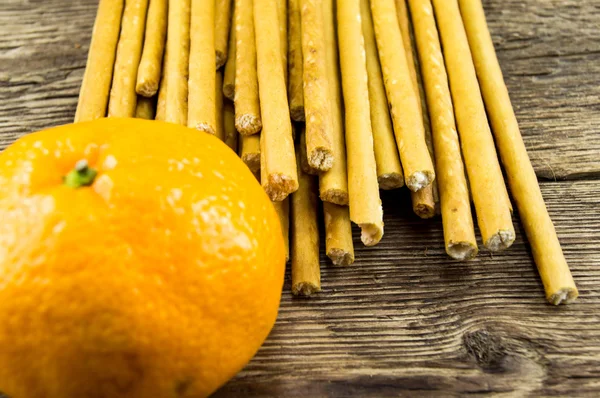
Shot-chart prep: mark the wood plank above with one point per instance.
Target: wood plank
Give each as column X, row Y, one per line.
column 406, row 319
column 549, row 51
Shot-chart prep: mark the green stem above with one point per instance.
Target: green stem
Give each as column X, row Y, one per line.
column 81, row 176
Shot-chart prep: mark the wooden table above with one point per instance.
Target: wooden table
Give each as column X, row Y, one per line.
column 404, row 319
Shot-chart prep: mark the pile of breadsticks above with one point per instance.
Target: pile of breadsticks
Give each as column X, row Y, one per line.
column 336, row 100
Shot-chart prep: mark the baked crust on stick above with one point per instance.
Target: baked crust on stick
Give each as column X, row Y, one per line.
column 231, row 134
column 485, row 177
column 404, row 103
column 283, row 212
column 129, row 51
column 338, row 234
column 229, row 70
column 547, row 253
column 250, row 151
column 150, row 68
column 201, row 97
column 459, row 232
column 162, row 92
column 145, row 108
column 389, row 170
column 282, row 7
column 177, row 72
column 317, row 104
column 306, row 269
column 95, row 88
column 295, row 68
column 301, row 132
column 365, row 203
column 423, row 200
column 279, row 176
column 333, row 184
column 222, row 29
column 219, row 113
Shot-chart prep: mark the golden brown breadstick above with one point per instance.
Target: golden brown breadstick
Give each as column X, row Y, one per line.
column 459, row 234
column 283, row 211
column 283, row 43
column 338, row 234
column 485, row 177
column 389, row 170
column 201, row 94
column 295, row 69
column 222, row 29
column 404, row 104
column 333, row 184
column 162, row 93
column 250, row 151
column 177, row 72
column 247, row 105
column 231, row 134
column 317, row 101
column 149, row 71
column 301, row 131
column 279, row 176
column 422, row 200
column 144, row 108
column 229, row 73
column 129, row 51
column 93, row 96
column 365, row 204
column 219, row 131
column 306, row 270
column 549, row 258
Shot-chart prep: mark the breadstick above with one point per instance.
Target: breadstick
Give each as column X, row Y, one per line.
column 549, row 258
column 295, row 68
column 93, row 96
column 222, row 29
column 306, row 271
column 129, row 51
column 317, row 102
column 279, row 176
column 338, row 234
column 149, row 71
column 247, row 106
column 389, row 170
column 250, row 151
column 333, row 184
column 144, row 108
column 404, row 104
column 422, row 200
column 283, row 43
column 302, row 150
column 162, row 93
column 229, row 73
column 231, row 134
column 485, row 177
column 219, row 131
column 459, row 234
column 365, row 204
column 201, row 97
column 283, row 211
column 176, row 72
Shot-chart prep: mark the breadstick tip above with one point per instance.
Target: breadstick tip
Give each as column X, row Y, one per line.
column 424, row 210
column 565, row 295
column 340, row 257
column 248, row 124
column 371, row 234
column 207, row 128
column 335, row 196
column 461, row 250
column 501, row 240
column 389, row 181
column 279, row 186
column 321, row 159
column 419, row 180
column 305, row 289
column 220, row 58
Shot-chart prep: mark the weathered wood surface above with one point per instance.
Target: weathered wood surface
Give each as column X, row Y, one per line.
column 405, row 320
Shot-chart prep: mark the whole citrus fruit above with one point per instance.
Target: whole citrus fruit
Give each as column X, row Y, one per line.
column 153, row 268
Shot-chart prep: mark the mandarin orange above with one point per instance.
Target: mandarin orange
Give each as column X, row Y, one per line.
column 153, row 268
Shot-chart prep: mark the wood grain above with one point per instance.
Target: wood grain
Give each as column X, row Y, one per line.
column 405, row 319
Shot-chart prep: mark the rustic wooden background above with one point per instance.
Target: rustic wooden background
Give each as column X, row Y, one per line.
column 404, row 319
